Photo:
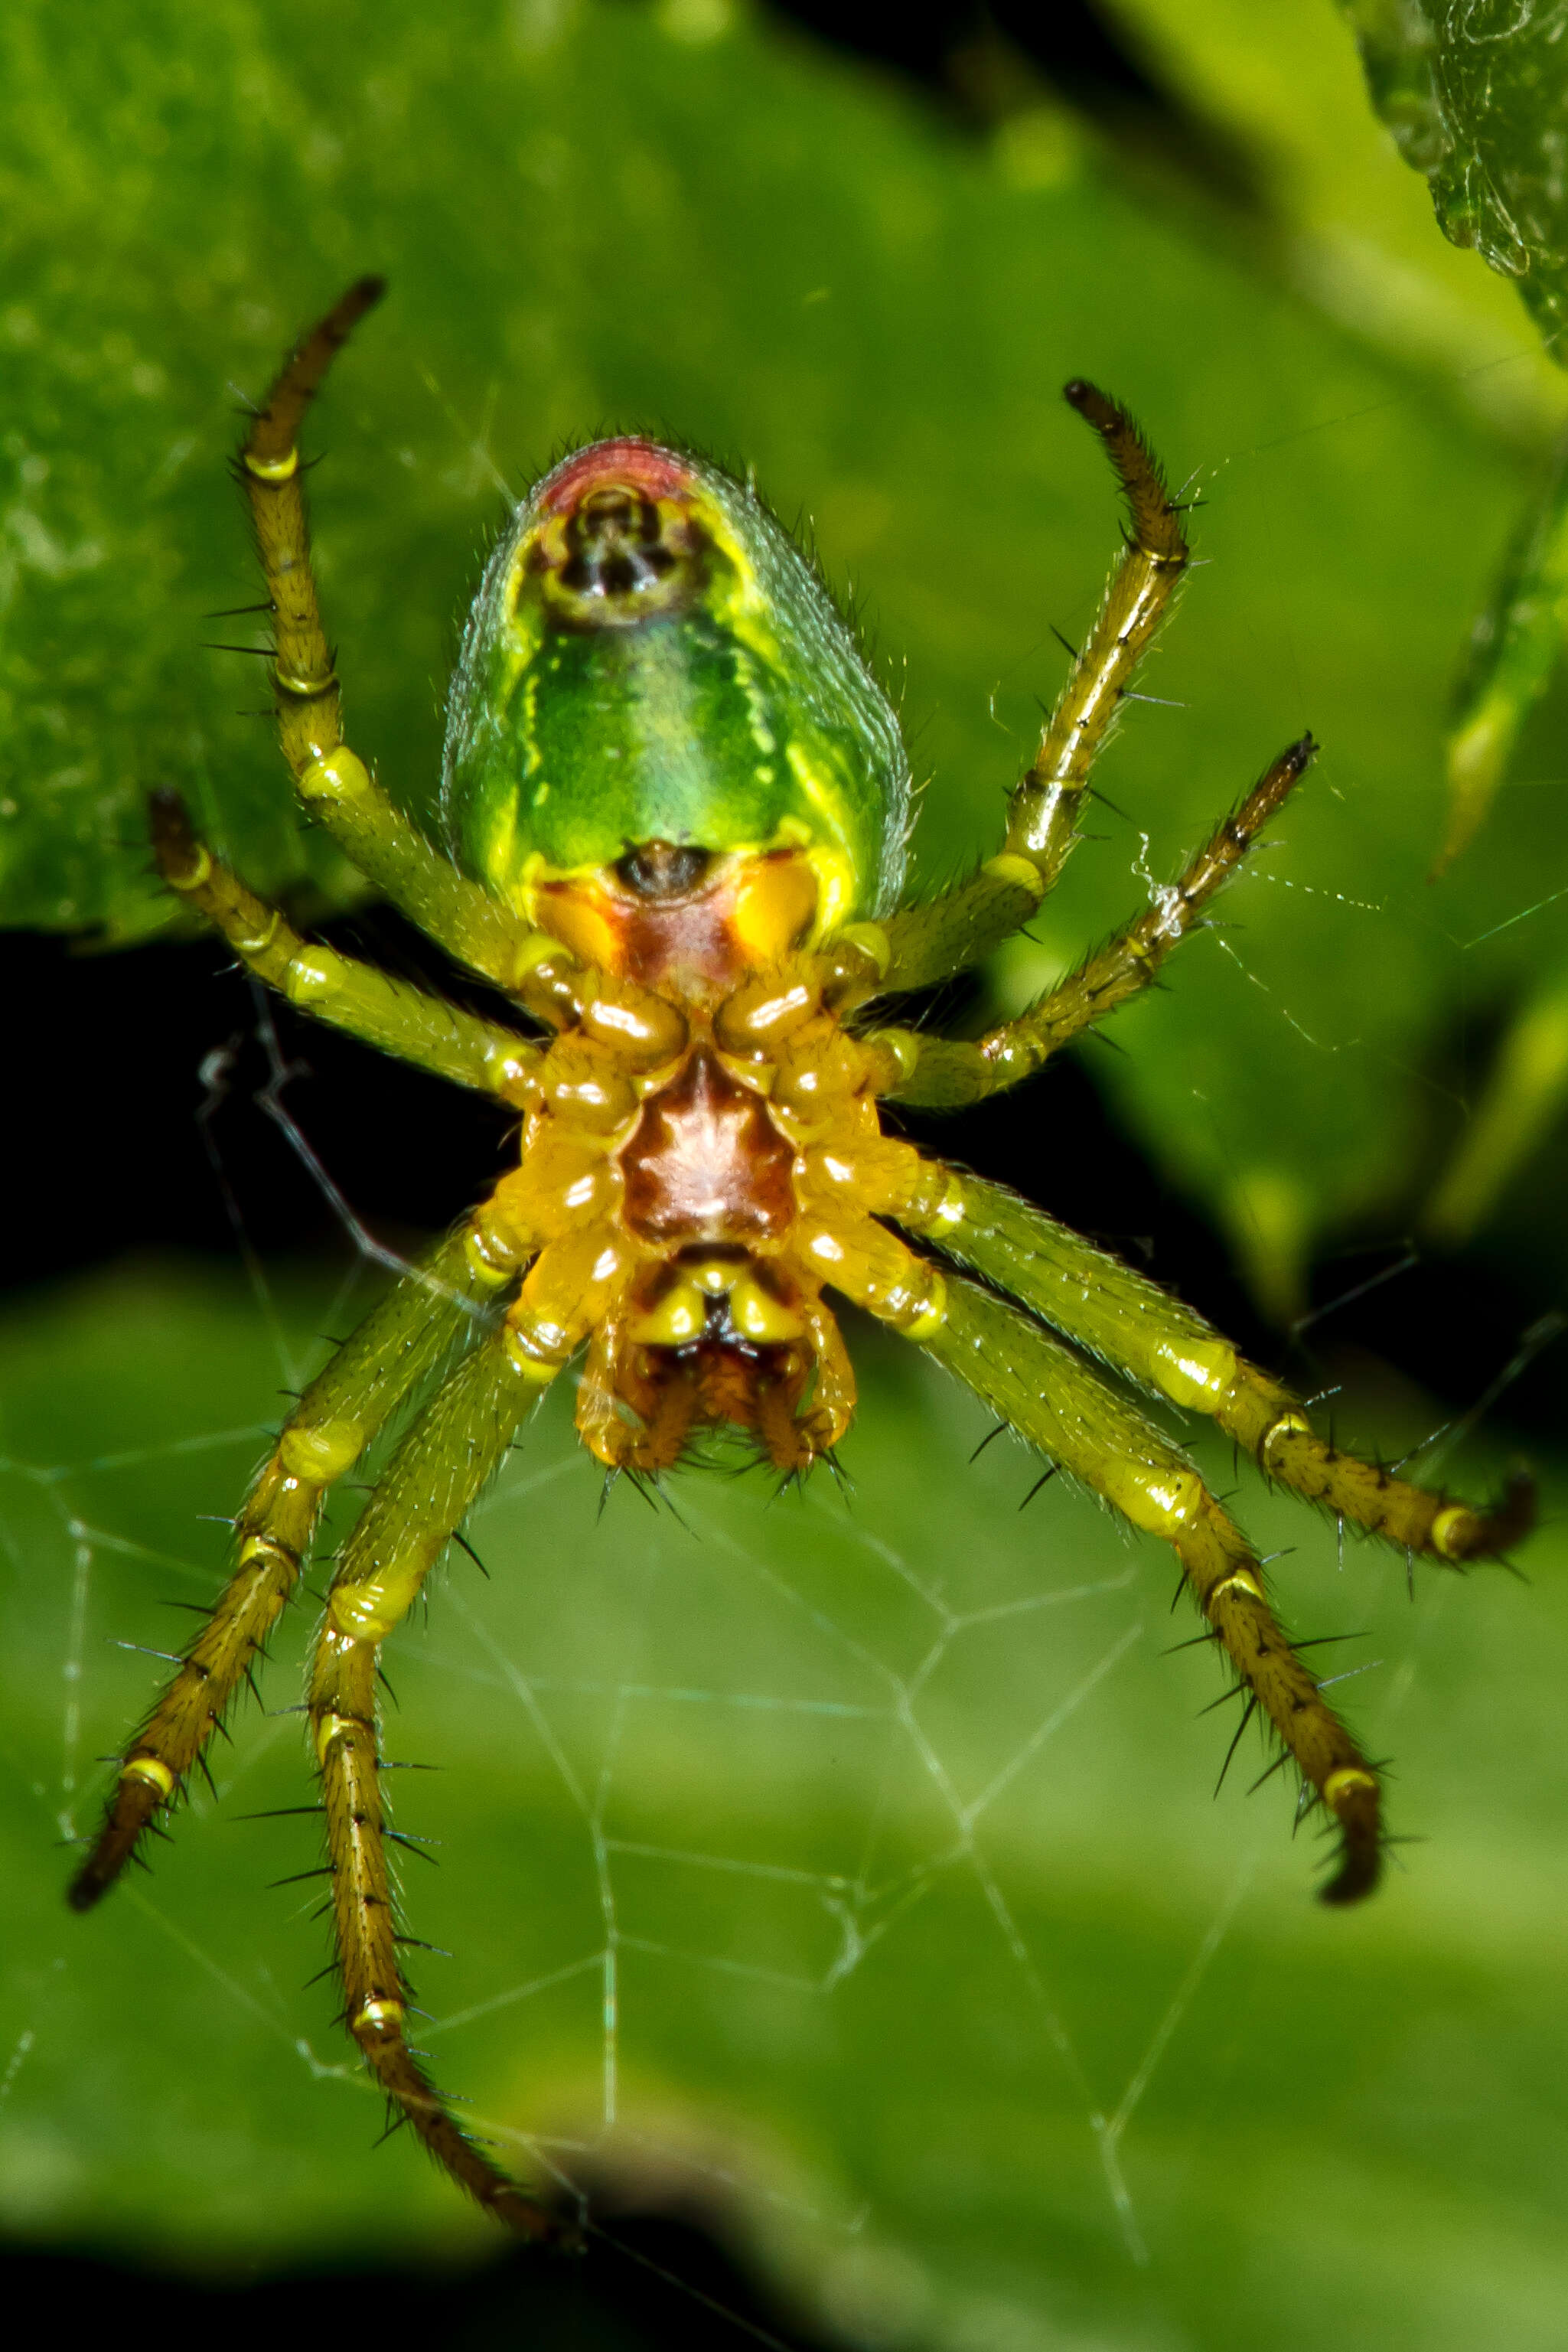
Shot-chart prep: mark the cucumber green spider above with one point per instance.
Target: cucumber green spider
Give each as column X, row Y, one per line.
column 673, row 816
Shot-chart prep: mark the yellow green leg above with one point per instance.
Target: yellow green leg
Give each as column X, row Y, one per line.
column 930, row 943
column 1132, row 1324
column 334, row 783
column 387, row 1012
column 1035, row 1384
column 1053, row 1400
column 945, row 1073
column 429, row 1485
column 435, row 1306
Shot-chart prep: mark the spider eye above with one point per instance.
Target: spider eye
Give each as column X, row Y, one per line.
column 663, row 869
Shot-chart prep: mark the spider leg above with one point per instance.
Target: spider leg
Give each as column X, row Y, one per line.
column 1132, row 1324
column 334, row 783
column 426, row 1490
column 387, row 1012
column 932, row 942
column 944, row 1073
column 433, row 1307
column 1052, row 1398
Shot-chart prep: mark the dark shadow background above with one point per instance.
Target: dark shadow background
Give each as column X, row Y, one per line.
column 134, row 1081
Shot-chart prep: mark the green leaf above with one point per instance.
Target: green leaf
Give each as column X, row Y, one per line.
column 883, row 1823
column 1476, row 98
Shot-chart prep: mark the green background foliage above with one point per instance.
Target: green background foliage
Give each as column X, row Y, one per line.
column 945, row 1914
column 1476, row 97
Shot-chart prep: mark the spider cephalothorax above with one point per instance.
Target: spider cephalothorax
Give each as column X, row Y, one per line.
column 673, row 809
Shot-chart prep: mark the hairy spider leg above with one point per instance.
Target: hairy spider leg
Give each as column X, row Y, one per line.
column 1034, row 1383
column 1054, row 1399
column 434, row 1306
column 947, row 1074
column 331, row 780
column 1140, row 1329
column 932, row 942
column 434, row 1475
column 400, row 1019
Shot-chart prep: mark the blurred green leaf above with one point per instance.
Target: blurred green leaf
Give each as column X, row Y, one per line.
column 1476, row 94
column 882, row 1827
column 1342, row 222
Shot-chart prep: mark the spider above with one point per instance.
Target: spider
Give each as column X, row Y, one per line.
column 674, row 815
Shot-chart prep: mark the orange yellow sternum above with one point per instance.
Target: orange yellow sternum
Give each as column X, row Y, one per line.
column 695, row 1163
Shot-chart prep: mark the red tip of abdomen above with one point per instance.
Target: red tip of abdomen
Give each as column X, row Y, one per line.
column 631, row 464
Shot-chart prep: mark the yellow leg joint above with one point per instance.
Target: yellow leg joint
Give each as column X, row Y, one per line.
column 268, row 1549
column 313, row 975
column 872, row 941
column 948, row 1211
column 156, row 1775
column 1241, row 1580
column 303, row 687
column 486, row 1260
column 342, row 775
column 1350, row 1781
column 256, row 943
column 929, row 1319
column 273, row 469
column 902, row 1047
column 333, row 1727
column 323, row 1452
column 370, row 1611
column 1290, row 1424
column 1195, row 1372
column 527, row 1358
column 377, row 2016
column 1450, row 1529
column 198, row 872
column 1018, row 873
column 1158, row 1501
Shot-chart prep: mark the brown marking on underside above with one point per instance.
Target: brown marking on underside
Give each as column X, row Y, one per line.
column 706, row 1162
column 746, row 913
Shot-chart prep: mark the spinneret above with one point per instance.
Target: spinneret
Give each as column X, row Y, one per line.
column 675, row 805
